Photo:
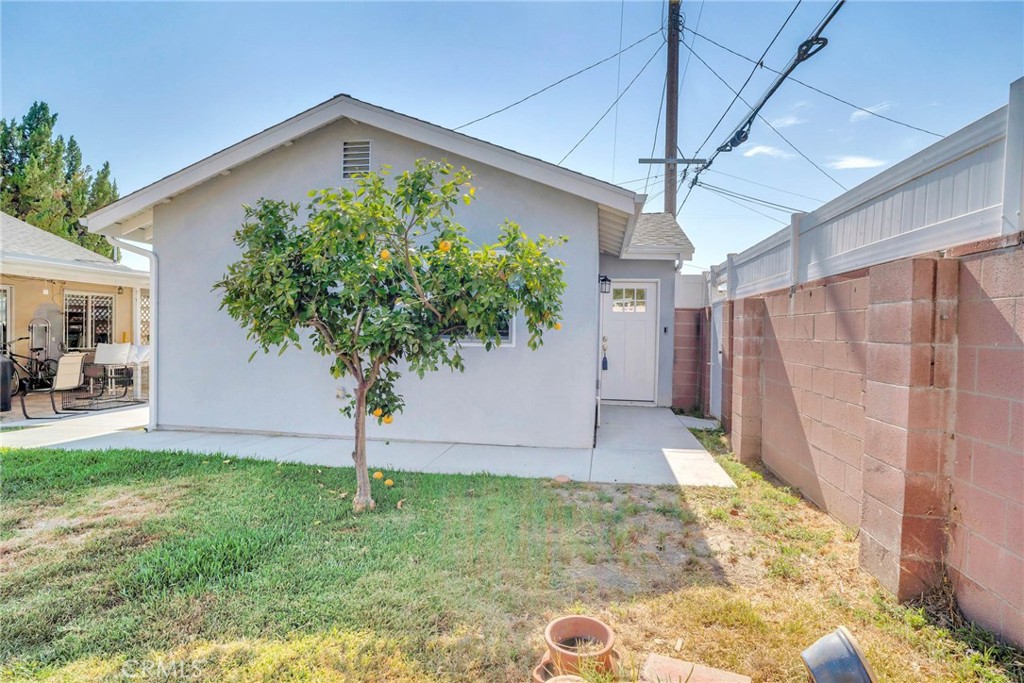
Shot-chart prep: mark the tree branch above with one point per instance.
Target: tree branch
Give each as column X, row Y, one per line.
column 412, row 272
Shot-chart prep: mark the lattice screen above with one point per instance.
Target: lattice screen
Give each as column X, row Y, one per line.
column 144, row 316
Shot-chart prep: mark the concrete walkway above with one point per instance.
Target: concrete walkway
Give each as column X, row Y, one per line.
column 634, row 446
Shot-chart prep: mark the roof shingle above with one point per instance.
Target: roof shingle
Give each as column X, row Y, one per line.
column 18, row 238
column 659, row 231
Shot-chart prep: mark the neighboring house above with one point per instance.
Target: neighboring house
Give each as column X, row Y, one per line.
column 86, row 298
column 202, row 377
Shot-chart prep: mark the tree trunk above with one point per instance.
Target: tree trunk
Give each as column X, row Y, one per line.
column 363, row 500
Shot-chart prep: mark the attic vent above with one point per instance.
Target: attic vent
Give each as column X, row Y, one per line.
column 355, row 158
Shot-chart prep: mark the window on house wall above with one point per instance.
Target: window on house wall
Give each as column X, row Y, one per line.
column 6, row 314
column 506, row 331
column 355, row 158
column 88, row 320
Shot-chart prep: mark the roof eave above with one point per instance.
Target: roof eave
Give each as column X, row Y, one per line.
column 657, row 254
column 59, row 269
column 346, row 107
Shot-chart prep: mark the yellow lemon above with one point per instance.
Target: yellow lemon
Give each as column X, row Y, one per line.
column 558, row 326
column 388, row 419
column 378, row 475
column 388, row 482
column 385, row 254
column 445, row 246
column 378, row 412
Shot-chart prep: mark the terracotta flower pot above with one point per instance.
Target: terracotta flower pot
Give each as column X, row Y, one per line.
column 577, row 643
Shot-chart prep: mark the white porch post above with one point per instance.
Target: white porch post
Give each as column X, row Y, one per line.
column 137, row 338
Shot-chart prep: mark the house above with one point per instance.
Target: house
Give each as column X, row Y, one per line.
column 85, row 298
column 511, row 396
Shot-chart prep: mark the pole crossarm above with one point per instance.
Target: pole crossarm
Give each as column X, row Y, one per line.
column 675, row 162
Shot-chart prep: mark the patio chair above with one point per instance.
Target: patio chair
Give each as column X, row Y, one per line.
column 69, row 377
column 113, row 362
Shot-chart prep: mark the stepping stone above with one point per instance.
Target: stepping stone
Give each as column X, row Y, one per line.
column 659, row 669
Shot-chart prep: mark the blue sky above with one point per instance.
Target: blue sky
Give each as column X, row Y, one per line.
column 153, row 87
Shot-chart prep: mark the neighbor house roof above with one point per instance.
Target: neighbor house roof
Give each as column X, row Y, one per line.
column 658, row 234
column 132, row 215
column 33, row 252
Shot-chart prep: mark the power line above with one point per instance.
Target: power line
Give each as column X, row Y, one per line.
column 599, row 120
column 560, row 81
column 807, row 49
column 770, row 187
column 679, row 186
column 763, row 202
column 816, row 89
column 737, row 203
column 749, row 76
column 657, row 124
column 765, row 121
column 686, row 66
column 618, row 81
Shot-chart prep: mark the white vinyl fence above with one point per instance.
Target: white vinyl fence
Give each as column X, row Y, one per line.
column 964, row 188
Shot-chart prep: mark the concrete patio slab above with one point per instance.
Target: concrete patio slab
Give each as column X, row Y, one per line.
column 635, row 445
column 406, row 456
column 657, row 467
column 515, row 461
column 636, row 427
column 74, row 428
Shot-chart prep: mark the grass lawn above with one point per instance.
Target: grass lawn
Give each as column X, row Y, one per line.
column 125, row 565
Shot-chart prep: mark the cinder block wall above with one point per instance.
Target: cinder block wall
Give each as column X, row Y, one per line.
column 813, row 378
column 986, row 555
column 686, row 361
column 894, row 399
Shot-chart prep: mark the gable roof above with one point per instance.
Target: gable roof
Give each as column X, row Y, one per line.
column 34, row 252
column 132, row 215
column 658, row 235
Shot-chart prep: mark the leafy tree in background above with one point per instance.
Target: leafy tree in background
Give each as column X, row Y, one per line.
column 383, row 279
column 45, row 182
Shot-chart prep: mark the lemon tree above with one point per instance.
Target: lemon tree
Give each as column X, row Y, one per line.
column 382, row 278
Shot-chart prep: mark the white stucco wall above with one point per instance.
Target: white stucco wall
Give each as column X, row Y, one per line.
column 507, row 396
column 664, row 272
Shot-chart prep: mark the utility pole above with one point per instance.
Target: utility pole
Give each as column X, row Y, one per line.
column 671, row 160
column 672, row 104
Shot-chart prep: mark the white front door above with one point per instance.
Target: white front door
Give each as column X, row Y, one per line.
column 629, row 341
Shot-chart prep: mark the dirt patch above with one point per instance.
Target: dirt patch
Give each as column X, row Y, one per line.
column 34, row 533
column 638, row 540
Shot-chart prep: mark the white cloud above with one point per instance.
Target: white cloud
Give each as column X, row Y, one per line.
column 787, row 121
column 848, row 162
column 766, row 150
column 859, row 115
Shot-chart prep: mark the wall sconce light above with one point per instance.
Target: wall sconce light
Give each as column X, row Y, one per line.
column 120, row 290
column 606, row 284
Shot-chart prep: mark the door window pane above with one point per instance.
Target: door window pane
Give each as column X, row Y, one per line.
column 101, row 320
column 88, row 320
column 629, row 300
column 75, row 307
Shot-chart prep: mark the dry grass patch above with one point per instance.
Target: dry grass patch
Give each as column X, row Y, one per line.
column 36, row 532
